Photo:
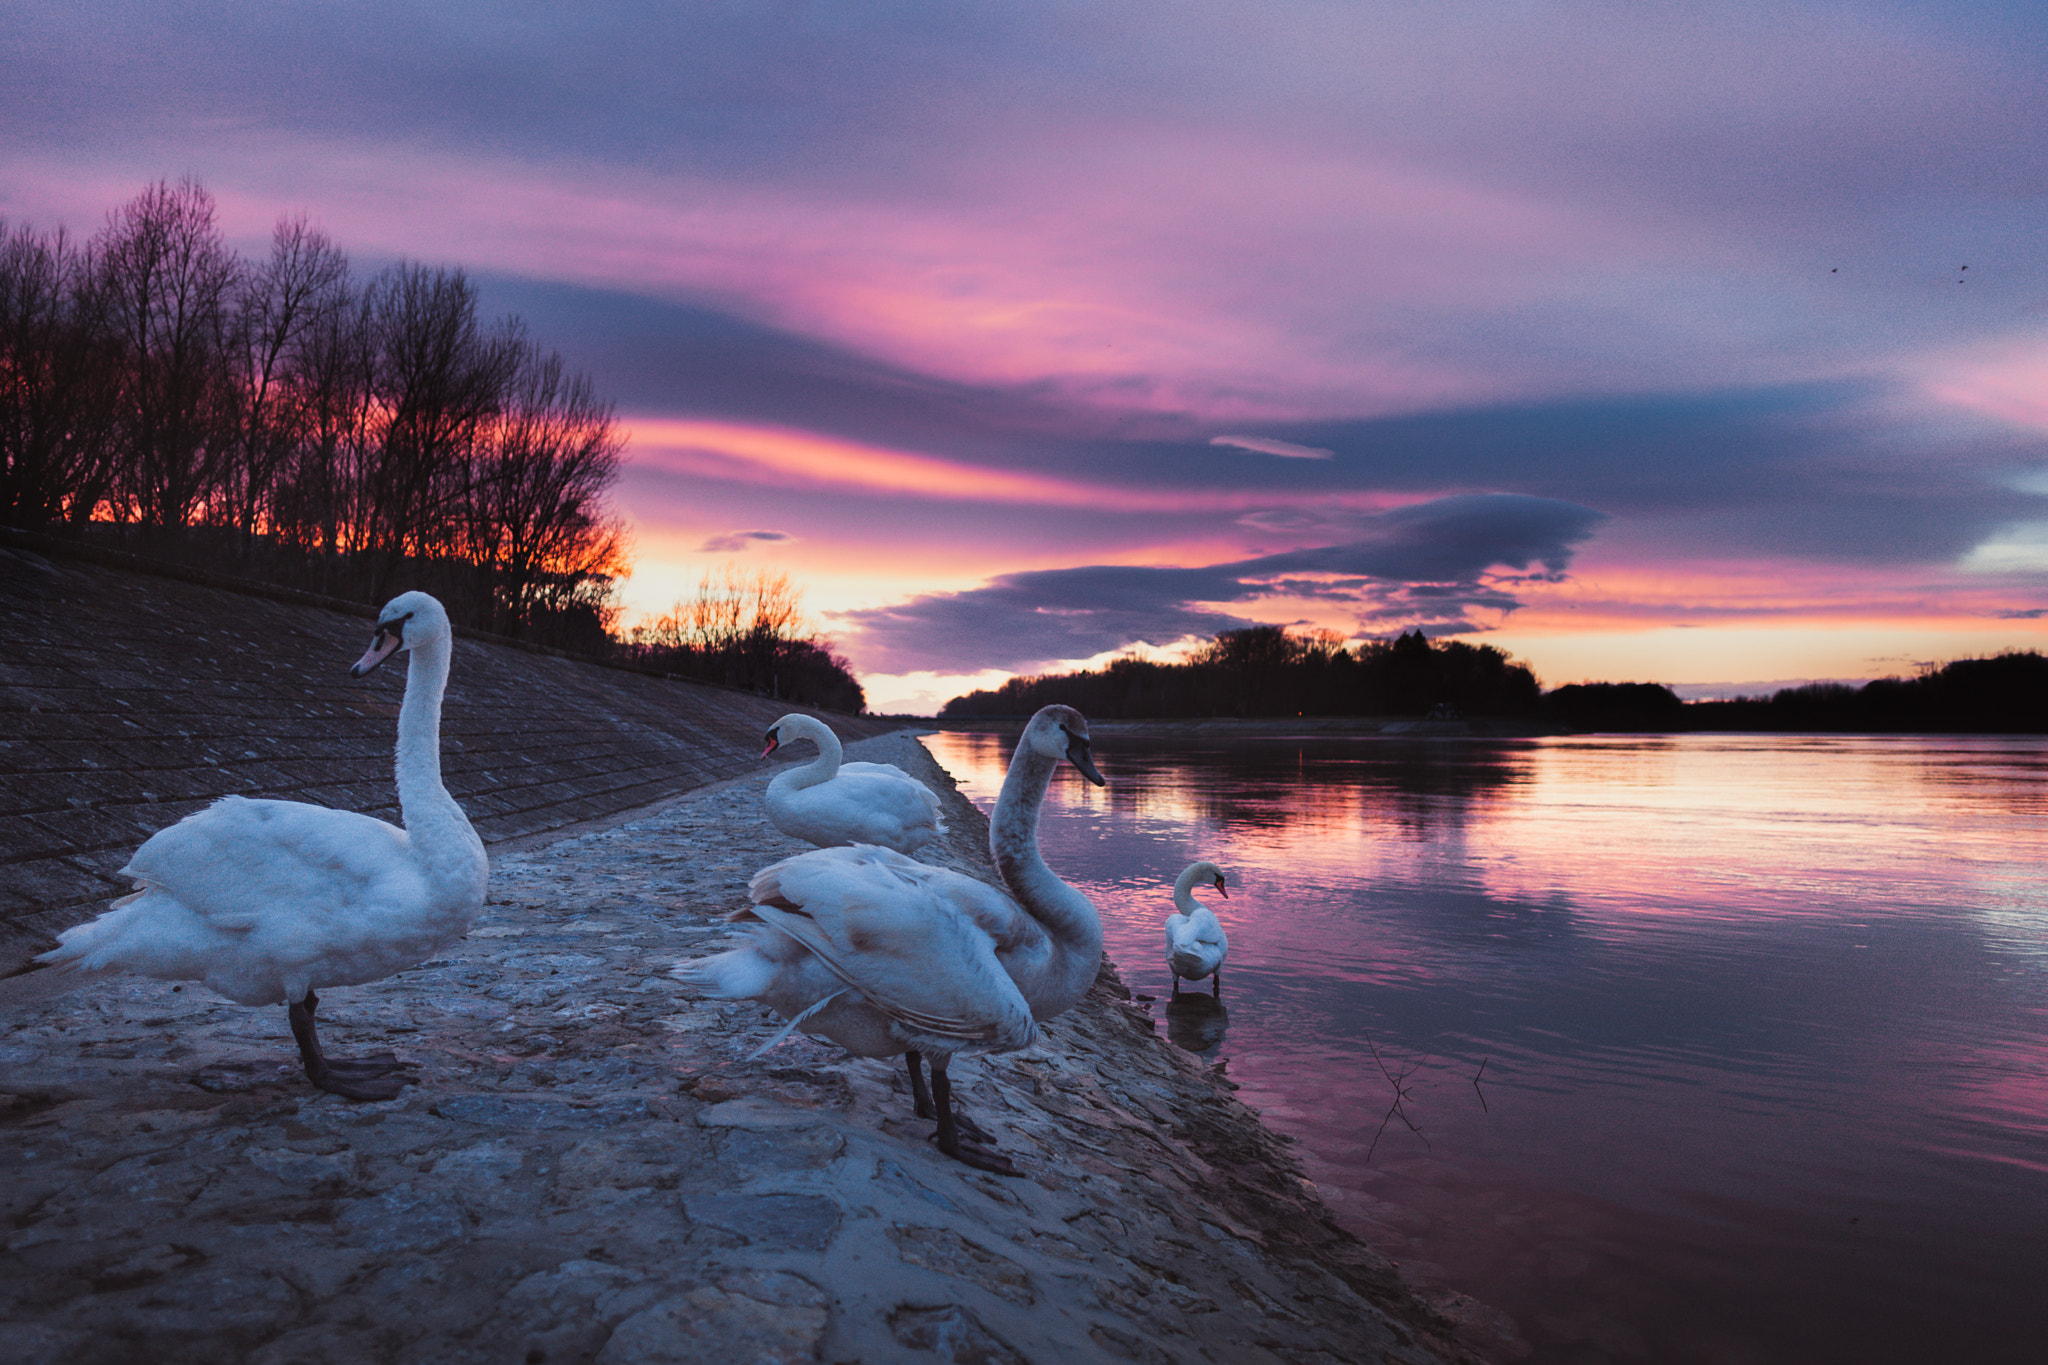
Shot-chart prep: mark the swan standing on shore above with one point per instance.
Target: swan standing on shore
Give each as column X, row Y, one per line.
column 884, row 955
column 1195, row 941
column 265, row 900
column 827, row 802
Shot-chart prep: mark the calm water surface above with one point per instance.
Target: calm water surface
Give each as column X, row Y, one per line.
column 1715, row 1048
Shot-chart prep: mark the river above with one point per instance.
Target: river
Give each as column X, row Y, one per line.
column 1702, row 1048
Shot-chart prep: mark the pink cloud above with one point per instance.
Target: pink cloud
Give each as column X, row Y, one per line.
column 780, row 457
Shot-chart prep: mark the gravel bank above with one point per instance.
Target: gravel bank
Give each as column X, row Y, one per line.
column 587, row 1170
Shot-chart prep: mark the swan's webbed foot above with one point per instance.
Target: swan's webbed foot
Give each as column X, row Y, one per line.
column 349, row 1088
column 971, row 1131
column 973, row 1154
column 360, row 1078
column 376, row 1064
column 975, row 1148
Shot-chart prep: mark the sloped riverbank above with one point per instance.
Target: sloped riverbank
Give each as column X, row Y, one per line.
column 587, row 1170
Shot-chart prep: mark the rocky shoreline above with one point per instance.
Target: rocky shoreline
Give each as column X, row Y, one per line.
column 588, row 1170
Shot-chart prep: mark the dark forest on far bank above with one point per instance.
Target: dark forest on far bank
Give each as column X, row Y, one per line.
column 1264, row 671
column 1269, row 672
column 2004, row 694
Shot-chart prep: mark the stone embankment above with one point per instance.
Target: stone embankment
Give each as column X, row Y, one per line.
column 130, row 699
column 588, row 1166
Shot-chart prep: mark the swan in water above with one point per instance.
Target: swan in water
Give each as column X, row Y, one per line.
column 827, row 802
column 1195, row 941
column 266, row 900
column 888, row 956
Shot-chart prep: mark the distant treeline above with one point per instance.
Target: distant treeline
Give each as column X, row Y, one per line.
column 1270, row 671
column 1267, row 671
column 747, row 631
column 2005, row 694
column 279, row 419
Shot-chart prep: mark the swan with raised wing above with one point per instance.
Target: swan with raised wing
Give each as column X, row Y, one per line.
column 828, row 802
column 265, row 901
column 887, row 956
column 1195, row 942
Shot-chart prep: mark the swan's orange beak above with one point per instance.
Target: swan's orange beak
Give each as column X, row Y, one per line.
column 382, row 646
column 1220, row 889
column 774, row 743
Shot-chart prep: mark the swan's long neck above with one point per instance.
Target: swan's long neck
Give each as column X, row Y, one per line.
column 441, row 835
column 825, row 766
column 1068, row 917
column 1184, row 891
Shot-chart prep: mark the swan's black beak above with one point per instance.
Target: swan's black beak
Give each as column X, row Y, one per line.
column 390, row 635
column 774, row 743
column 1078, row 755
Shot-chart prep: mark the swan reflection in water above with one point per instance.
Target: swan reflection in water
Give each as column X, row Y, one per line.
column 1196, row 1022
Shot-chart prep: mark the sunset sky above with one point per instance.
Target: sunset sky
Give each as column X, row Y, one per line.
column 1699, row 343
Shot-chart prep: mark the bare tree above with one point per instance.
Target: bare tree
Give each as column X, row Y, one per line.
column 439, row 378
column 164, row 279
column 318, row 503
column 538, row 511
column 742, row 627
column 58, row 382
column 301, row 286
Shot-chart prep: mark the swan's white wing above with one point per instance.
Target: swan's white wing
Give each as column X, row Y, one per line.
column 888, row 789
column 241, row 863
column 902, row 934
column 867, row 803
column 889, row 770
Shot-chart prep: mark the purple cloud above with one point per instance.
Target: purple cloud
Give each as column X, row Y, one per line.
column 1425, row 565
column 732, row 542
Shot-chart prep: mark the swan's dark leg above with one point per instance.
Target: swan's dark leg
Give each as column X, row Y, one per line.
column 1176, row 985
column 968, row 1152
column 367, row 1078
column 920, row 1098
column 1216, row 987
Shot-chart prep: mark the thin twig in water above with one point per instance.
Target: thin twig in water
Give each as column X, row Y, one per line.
column 1475, row 1084
column 1400, row 1084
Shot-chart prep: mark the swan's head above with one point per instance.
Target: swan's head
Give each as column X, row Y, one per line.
column 1203, row 872
column 1062, row 732
column 408, row 621
column 782, row 731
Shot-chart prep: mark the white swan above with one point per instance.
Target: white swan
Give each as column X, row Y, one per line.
column 1195, row 941
column 885, row 955
column 827, row 802
column 265, row 900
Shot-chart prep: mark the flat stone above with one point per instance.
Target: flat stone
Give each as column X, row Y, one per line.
column 766, row 1317
column 780, row 1222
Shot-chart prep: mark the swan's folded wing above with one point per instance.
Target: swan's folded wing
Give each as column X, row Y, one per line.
column 884, row 787
column 238, row 862
column 894, row 930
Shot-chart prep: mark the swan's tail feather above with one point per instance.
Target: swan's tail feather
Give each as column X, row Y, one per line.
column 741, row 974
column 790, row 1026
column 89, row 947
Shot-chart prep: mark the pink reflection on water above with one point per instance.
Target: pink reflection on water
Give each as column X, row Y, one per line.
column 1764, row 1020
